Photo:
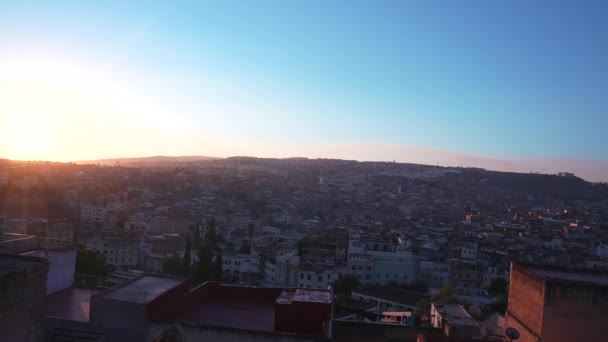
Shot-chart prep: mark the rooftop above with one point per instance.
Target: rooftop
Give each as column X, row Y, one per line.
column 557, row 273
column 14, row 263
column 72, row 303
column 392, row 294
column 252, row 314
column 455, row 314
column 142, row 289
column 248, row 308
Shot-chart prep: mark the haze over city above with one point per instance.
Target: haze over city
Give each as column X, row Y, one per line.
column 513, row 86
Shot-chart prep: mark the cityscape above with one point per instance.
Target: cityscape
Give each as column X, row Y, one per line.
column 202, row 244
column 290, row 171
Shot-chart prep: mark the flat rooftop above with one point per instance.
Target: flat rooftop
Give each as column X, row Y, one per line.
column 142, row 289
column 455, row 314
column 391, row 294
column 584, row 277
column 15, row 263
column 312, row 296
column 253, row 314
column 49, row 253
column 72, row 303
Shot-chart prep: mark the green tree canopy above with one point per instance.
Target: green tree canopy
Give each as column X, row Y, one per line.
column 250, row 231
column 90, row 262
column 203, row 268
column 218, row 268
column 173, row 266
column 187, row 259
column 346, row 285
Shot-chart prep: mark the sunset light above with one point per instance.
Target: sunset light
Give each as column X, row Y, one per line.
column 195, row 170
column 27, row 136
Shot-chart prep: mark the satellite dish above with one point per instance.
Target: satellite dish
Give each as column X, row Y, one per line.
column 512, row 333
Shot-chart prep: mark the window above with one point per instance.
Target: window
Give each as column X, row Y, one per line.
column 319, row 278
column 328, row 276
column 387, row 275
column 308, row 277
column 302, row 276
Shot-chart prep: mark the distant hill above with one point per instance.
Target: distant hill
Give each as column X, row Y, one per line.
column 148, row 161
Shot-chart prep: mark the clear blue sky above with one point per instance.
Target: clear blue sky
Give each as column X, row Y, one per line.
column 505, row 79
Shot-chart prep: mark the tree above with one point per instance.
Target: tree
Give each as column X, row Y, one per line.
column 250, row 231
column 173, row 265
column 196, row 232
column 498, row 286
column 187, row 258
column 245, row 248
column 346, row 285
column 218, row 268
column 204, row 267
column 445, row 295
column 210, row 234
column 230, row 247
column 90, row 262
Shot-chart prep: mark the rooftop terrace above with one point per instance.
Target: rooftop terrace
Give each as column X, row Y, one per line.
column 72, row 303
column 569, row 275
column 143, row 289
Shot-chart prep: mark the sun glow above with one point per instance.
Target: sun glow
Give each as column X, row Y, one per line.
column 60, row 111
column 27, row 136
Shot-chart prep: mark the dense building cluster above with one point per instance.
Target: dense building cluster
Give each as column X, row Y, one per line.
column 394, row 235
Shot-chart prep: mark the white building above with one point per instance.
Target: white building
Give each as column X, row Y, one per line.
column 118, row 251
column 3, row 177
column 60, row 231
column 27, row 183
column 316, row 277
column 91, row 213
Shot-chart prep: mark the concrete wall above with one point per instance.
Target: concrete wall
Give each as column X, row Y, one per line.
column 61, row 271
column 52, row 323
column 345, row 331
column 574, row 312
column 121, row 321
column 22, row 298
column 526, row 300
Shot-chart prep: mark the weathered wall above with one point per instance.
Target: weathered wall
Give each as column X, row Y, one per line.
column 61, row 271
column 210, row 333
column 526, row 300
column 121, row 321
column 22, row 298
column 574, row 312
column 52, row 323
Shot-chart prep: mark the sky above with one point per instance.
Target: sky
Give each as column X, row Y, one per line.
column 506, row 85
